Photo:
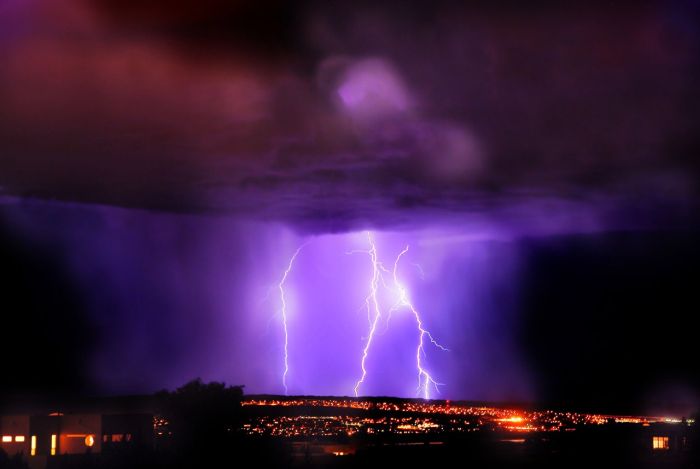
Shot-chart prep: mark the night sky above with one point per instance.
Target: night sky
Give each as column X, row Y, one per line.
column 160, row 162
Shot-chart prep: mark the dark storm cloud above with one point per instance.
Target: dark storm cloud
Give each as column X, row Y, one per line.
column 334, row 116
column 502, row 120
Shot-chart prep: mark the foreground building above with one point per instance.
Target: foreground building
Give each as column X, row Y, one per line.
column 38, row 435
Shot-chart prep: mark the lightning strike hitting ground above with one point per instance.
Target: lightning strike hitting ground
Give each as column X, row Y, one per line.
column 284, row 316
column 372, row 303
column 425, row 380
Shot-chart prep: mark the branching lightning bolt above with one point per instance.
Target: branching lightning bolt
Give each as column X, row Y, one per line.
column 284, row 316
column 425, row 380
column 374, row 314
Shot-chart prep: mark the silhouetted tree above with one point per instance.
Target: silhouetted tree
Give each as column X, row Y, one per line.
column 204, row 418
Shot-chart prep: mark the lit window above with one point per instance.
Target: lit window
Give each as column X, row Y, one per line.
column 659, row 442
column 53, row 445
column 89, row 440
column 19, row 439
column 117, row 438
column 33, row 445
column 105, row 438
column 6, row 439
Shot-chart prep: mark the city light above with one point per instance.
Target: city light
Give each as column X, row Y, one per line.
column 412, row 417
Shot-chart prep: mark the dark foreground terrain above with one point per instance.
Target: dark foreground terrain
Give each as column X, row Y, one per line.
column 211, row 425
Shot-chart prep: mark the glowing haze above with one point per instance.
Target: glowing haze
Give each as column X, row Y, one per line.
column 469, row 139
column 172, row 296
column 364, row 314
column 374, row 316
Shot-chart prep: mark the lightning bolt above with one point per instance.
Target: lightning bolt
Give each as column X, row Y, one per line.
column 425, row 380
column 283, row 302
column 372, row 304
column 374, row 314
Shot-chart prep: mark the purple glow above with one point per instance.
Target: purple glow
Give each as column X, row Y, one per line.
column 372, row 304
column 547, row 190
column 333, row 317
column 424, row 378
column 371, row 88
column 374, row 315
column 174, row 297
column 333, row 313
column 283, row 310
